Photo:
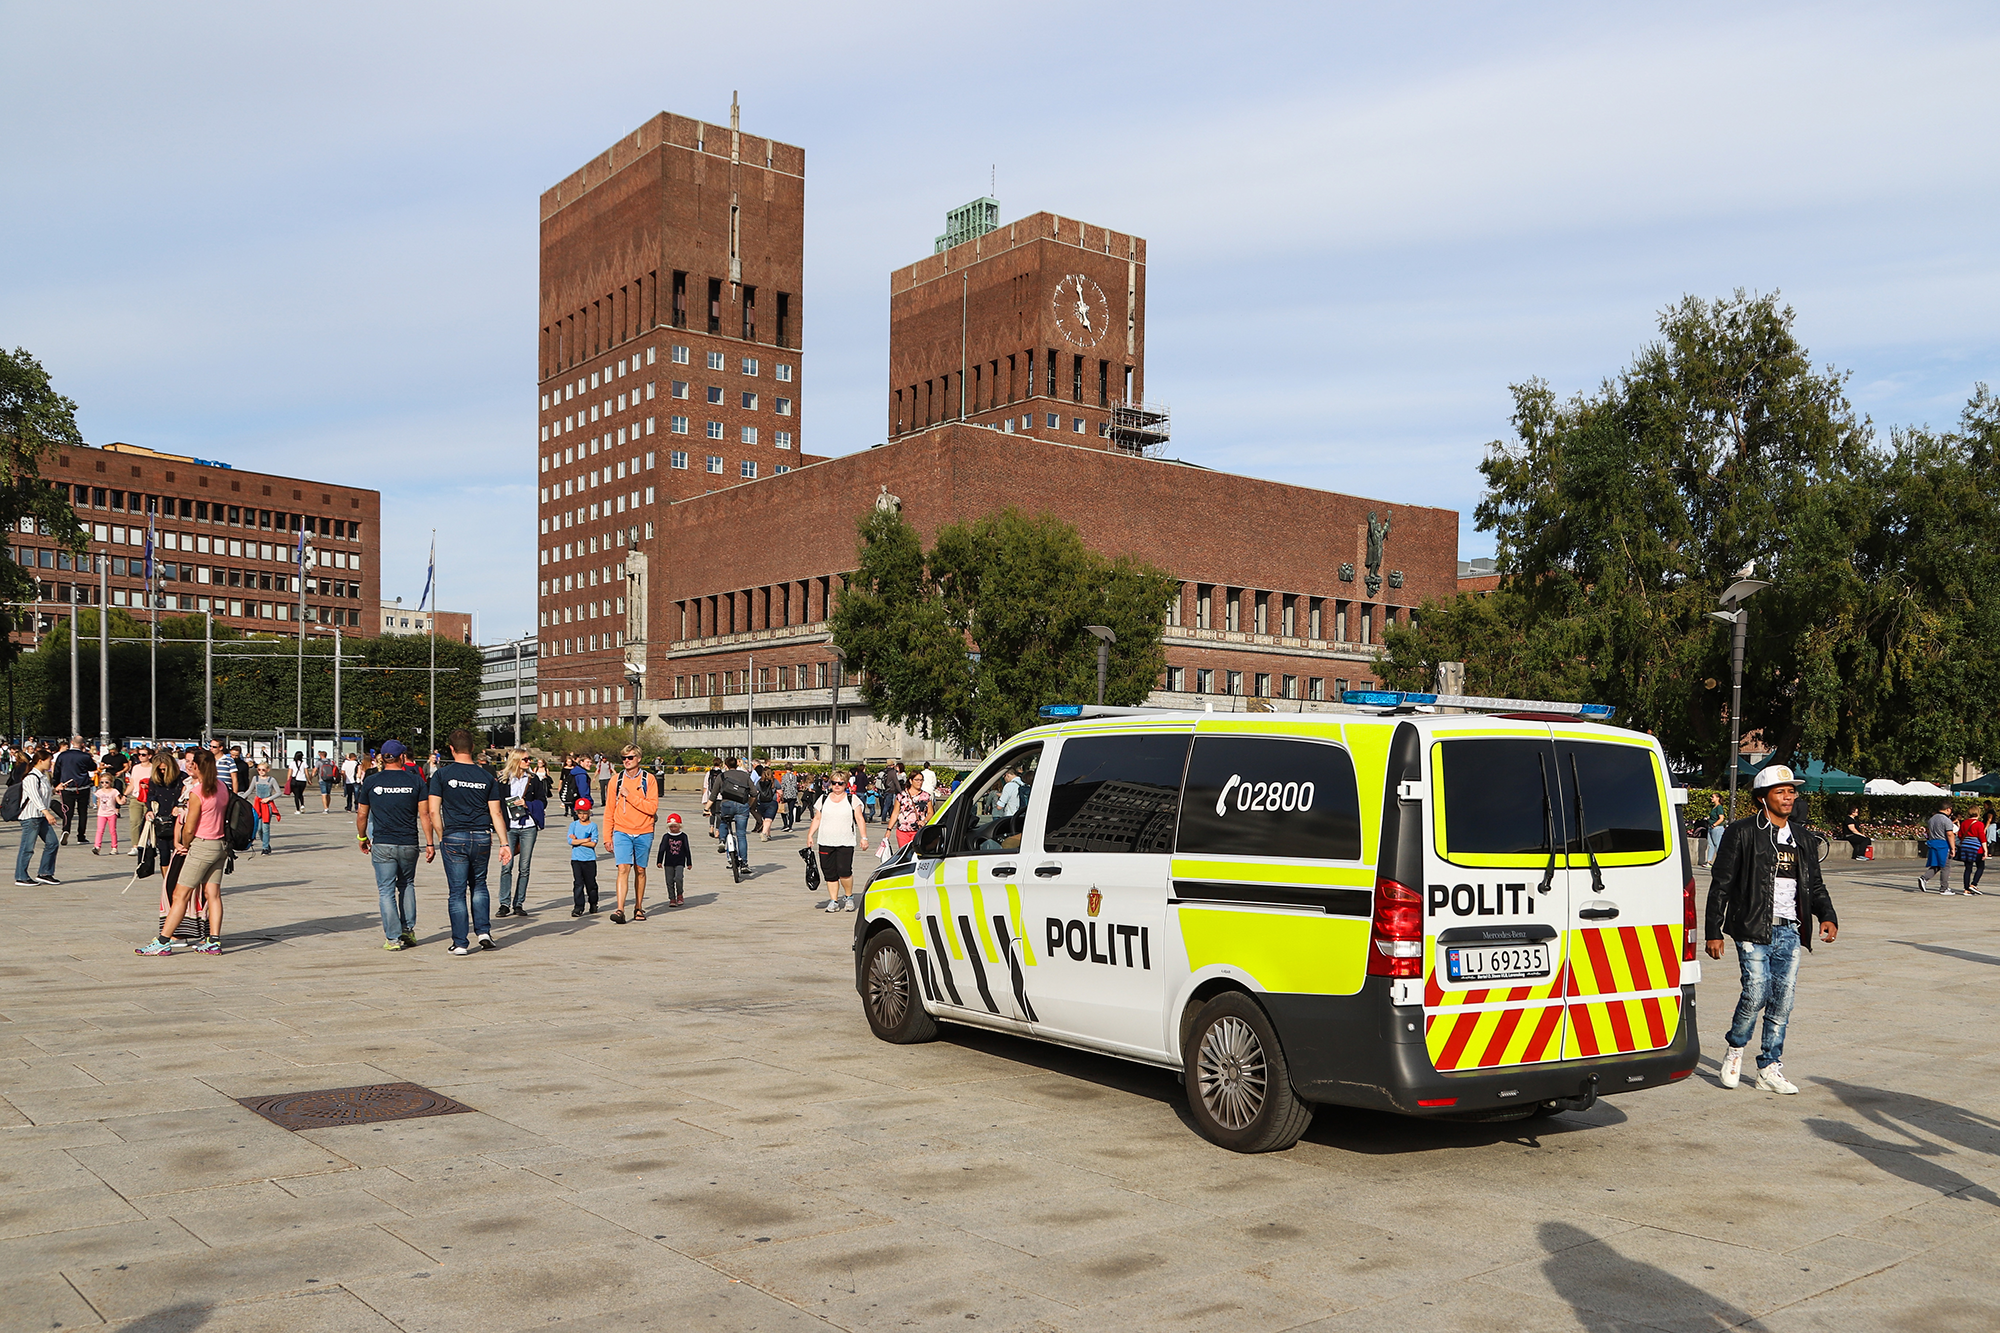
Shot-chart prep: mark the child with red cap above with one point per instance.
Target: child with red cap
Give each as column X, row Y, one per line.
column 583, row 858
column 676, row 855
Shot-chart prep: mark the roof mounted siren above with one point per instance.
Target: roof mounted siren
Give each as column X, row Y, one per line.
column 1396, row 701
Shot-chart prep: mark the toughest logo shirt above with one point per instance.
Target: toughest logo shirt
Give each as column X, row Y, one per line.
column 391, row 797
column 463, row 791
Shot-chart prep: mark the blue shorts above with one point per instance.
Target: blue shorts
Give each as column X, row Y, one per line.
column 631, row 849
column 1936, row 853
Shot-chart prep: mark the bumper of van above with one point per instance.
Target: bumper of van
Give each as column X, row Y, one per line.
column 1361, row 1050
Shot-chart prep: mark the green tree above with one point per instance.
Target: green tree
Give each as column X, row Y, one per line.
column 34, row 419
column 1621, row 515
column 966, row 641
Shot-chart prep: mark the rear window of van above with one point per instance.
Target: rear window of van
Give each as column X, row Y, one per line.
column 1493, row 792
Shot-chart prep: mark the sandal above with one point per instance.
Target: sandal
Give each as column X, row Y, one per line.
column 638, row 914
column 617, row 918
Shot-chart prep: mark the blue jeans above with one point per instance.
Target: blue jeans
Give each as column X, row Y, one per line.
column 263, row 830
column 1770, row 977
column 396, row 882
column 514, row 877
column 738, row 814
column 465, row 856
column 36, row 827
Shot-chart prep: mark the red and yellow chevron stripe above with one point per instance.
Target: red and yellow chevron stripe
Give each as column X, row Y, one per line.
column 1563, row 1017
column 1621, row 964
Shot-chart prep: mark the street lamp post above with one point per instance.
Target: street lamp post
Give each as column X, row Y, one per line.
column 1738, row 616
column 1105, row 638
column 833, row 735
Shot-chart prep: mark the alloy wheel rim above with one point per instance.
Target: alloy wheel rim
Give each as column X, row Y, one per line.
column 889, row 987
column 1232, row 1073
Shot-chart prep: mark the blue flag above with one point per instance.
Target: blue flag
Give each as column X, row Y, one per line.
column 149, row 559
column 430, row 574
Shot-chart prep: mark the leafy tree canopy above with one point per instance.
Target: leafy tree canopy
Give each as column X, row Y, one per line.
column 967, row 640
column 1622, row 515
column 34, row 419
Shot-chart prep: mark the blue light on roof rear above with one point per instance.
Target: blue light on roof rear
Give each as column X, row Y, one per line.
column 1373, row 698
column 1597, row 710
column 1055, row 711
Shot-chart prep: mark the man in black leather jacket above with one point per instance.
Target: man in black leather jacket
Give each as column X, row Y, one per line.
column 1764, row 891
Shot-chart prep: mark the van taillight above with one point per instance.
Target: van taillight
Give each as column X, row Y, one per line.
column 1398, row 934
column 1687, row 921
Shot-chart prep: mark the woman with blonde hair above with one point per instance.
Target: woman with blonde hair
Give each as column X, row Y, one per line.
column 199, row 840
column 527, row 797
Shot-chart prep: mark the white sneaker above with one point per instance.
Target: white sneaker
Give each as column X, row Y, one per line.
column 459, row 949
column 1771, row 1078
column 833, row 904
column 1732, row 1066
column 1922, row 885
column 850, row 905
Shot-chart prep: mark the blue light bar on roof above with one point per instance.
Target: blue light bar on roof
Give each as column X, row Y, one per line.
column 1053, row 712
column 1373, row 698
column 1405, row 698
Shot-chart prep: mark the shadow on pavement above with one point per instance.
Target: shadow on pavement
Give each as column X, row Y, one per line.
column 1591, row 1275
column 174, row 1319
column 1912, row 1155
column 1950, row 953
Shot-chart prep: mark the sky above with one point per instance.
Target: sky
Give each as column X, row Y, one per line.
column 304, row 239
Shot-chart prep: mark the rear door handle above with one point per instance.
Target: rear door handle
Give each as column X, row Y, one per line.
column 1002, row 872
column 1601, row 913
column 1048, row 871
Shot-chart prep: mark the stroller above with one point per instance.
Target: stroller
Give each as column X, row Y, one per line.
column 812, row 869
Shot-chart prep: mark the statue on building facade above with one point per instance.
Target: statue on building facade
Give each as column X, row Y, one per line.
column 1378, row 536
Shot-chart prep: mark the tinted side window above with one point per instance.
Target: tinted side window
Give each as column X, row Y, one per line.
column 990, row 818
column 1493, row 796
column 1621, row 797
column 1257, row 796
column 1116, row 794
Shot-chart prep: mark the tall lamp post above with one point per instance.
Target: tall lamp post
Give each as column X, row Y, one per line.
column 834, row 669
column 1105, row 638
column 1737, row 615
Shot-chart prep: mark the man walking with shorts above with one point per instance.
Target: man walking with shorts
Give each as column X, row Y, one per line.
column 631, row 803
column 465, row 805
column 1939, row 830
column 395, row 800
column 1765, row 891
column 838, row 827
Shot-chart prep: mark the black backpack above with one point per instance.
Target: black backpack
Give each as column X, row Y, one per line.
column 735, row 786
column 239, row 823
column 10, row 804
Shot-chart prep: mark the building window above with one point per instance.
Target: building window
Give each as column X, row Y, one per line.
column 681, row 353
column 1316, row 688
column 1054, row 422
column 1339, row 687
column 749, row 434
column 715, row 361
column 748, row 468
column 715, row 464
column 678, row 425
column 715, row 394
column 783, row 406
column 1204, row 601
column 679, row 388
column 1262, row 615
column 783, row 372
column 1290, row 620
column 715, row 430
column 1076, row 424
column 750, row 402
column 1204, row 681
column 1232, row 616
column 781, row 469
column 1312, row 620
column 782, row 438
column 678, row 459
column 1176, row 679
column 749, row 365
column 1235, row 685
column 1263, row 685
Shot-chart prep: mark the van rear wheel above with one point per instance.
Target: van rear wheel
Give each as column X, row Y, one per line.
column 890, row 994
column 1239, row 1086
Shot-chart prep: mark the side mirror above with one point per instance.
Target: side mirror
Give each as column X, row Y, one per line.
column 930, row 842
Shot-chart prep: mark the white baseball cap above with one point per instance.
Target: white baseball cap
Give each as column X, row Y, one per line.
column 1774, row 775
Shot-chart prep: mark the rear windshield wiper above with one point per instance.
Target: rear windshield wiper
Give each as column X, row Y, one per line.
column 1548, row 826
column 1583, row 829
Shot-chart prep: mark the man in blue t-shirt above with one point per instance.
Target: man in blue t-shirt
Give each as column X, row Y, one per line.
column 395, row 799
column 465, row 807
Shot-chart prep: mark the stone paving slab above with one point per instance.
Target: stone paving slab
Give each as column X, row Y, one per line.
column 686, row 1123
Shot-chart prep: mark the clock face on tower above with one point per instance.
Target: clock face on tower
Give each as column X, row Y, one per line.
column 1082, row 314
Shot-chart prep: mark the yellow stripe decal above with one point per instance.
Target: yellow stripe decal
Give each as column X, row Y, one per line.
column 1275, row 872
column 979, row 918
column 950, row 931
column 1014, row 914
column 1291, row 953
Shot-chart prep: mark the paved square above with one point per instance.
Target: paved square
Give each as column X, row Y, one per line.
column 686, row 1123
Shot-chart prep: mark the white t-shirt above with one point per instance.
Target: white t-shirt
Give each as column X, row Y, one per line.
column 836, row 821
column 930, row 779
column 1785, row 883
column 347, row 769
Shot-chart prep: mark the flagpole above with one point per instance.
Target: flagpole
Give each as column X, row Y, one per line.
column 430, row 587
column 152, row 642
column 299, row 567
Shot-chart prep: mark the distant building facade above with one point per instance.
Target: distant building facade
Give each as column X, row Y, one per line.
column 393, row 620
column 507, row 688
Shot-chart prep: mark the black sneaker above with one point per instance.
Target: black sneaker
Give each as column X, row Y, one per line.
column 486, row 941
column 520, row 911
column 576, row 911
column 47, row 879
column 504, row 910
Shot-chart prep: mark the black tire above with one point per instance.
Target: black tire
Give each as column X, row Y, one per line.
column 1239, row 1087
column 890, row 993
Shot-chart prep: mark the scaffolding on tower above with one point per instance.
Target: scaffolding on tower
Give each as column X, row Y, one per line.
column 1138, row 428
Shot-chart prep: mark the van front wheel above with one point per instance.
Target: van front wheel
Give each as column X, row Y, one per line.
column 1239, row 1087
column 890, row 994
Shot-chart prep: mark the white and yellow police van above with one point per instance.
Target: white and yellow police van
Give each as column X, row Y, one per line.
column 1435, row 913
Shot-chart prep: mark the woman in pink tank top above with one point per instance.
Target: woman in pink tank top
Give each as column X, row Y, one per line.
column 198, row 837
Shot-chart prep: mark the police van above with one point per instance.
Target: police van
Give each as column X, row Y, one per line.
column 1464, row 914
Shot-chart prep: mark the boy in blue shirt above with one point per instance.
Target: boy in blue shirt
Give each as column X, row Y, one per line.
column 583, row 858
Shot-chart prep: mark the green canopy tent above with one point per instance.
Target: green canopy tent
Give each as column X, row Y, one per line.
column 1814, row 776
column 1986, row 784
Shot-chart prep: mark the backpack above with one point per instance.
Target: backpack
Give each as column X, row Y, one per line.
column 239, row 823
column 328, row 770
column 10, row 804
column 735, row 786
column 767, row 790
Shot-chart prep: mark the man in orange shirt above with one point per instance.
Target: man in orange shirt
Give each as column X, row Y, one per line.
column 631, row 803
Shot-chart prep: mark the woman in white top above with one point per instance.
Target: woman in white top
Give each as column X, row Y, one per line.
column 838, row 828
column 37, row 796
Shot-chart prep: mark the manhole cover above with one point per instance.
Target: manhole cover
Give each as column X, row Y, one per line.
column 330, row 1108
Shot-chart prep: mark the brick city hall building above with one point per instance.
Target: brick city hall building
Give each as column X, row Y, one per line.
column 224, row 542
column 681, row 532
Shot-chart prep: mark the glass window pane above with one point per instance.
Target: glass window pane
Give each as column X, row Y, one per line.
column 1252, row 796
column 992, row 820
column 1116, row 794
